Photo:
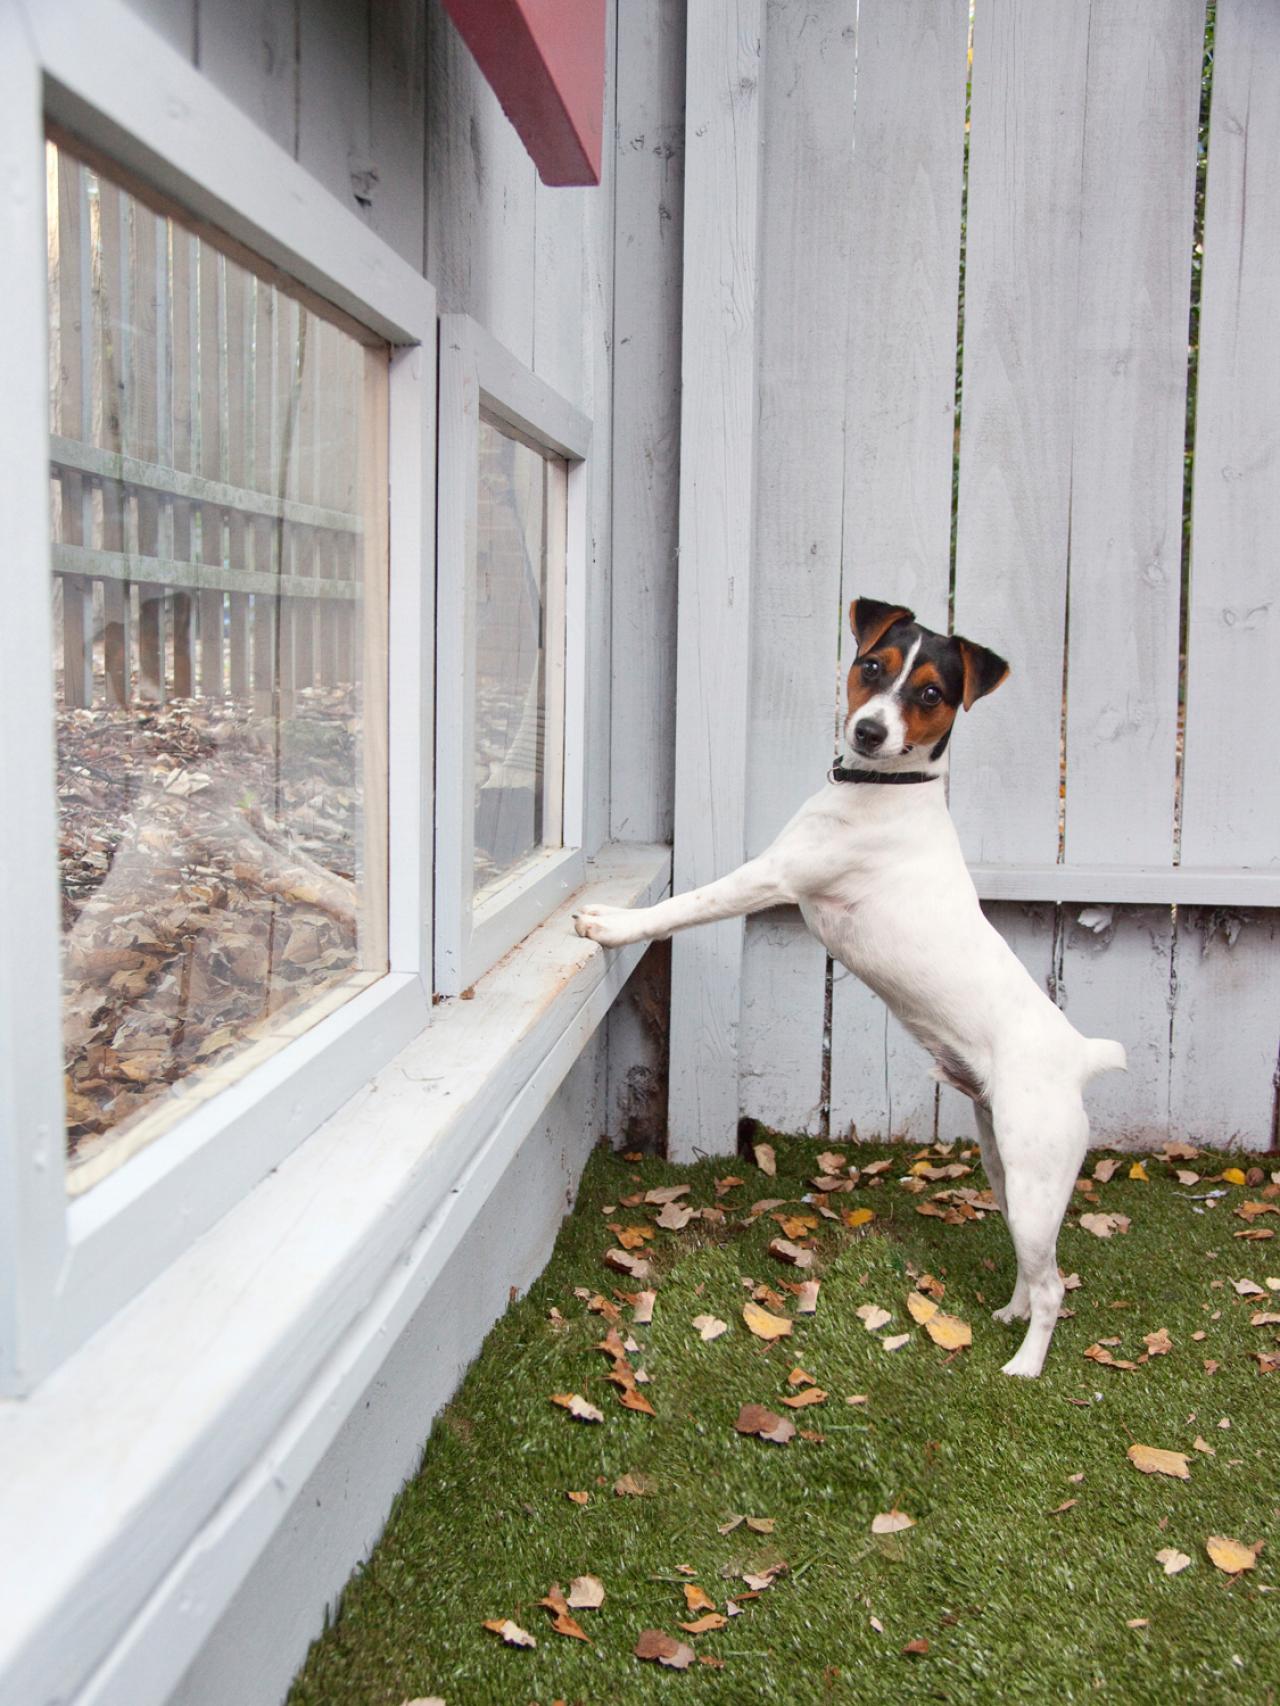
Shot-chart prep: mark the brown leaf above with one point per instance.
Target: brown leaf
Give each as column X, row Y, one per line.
column 1230, row 1556
column 631, row 1237
column 1099, row 1353
column 561, row 1621
column 637, row 1401
column 712, row 1620
column 800, row 1377
column 729, row 1183
column 577, row 1407
column 917, row 1648
column 761, row 1524
column 755, row 1419
column 1159, row 1343
column 1103, row 1225
column 764, row 1325
column 1105, row 1170
column 783, row 1250
column 697, row 1598
column 626, row 1263
column 766, row 1160
column 642, row 1303
column 1151, row 1460
column 1066, row 1505
column 806, row 1294
column 667, row 1193
column 579, row 1498
column 802, row 1400
column 675, row 1217
column 585, row 1593
column 510, row 1632
column 891, row 1522
column 665, row 1649
column 633, row 1486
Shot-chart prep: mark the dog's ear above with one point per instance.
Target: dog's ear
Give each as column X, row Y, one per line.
column 983, row 671
column 869, row 619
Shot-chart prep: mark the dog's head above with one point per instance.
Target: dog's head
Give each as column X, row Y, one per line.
column 906, row 684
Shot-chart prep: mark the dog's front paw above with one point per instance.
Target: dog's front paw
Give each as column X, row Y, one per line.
column 1017, row 1309
column 611, row 926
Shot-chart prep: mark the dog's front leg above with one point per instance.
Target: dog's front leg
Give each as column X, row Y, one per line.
column 753, row 886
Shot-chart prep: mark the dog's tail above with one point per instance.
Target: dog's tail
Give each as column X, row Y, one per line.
column 1103, row 1055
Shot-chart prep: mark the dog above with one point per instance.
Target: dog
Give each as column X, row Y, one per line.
column 874, row 864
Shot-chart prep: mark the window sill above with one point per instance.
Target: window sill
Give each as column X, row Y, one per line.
column 210, row 1398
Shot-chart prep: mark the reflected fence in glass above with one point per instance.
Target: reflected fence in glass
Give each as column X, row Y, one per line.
column 219, row 519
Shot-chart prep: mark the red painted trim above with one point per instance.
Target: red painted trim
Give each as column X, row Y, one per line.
column 544, row 60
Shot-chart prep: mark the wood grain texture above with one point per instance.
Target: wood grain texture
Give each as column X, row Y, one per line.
column 905, row 185
column 1143, row 97
column 905, row 190
column 1233, row 646
column 647, row 259
column 718, row 452
column 1013, row 538
column 1225, row 1072
column 806, row 212
column 480, row 200
column 249, row 49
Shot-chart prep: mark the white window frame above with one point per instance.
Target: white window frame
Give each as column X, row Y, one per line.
column 477, row 374
column 67, row 1264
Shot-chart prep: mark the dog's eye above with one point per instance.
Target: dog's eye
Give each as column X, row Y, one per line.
column 870, row 669
column 930, row 696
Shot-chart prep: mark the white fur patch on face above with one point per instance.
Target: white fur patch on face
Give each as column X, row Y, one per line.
column 886, row 707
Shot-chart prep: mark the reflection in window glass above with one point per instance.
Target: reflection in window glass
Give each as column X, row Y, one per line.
column 218, row 493
column 519, row 653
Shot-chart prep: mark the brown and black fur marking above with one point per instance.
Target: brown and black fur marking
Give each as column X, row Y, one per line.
column 949, row 671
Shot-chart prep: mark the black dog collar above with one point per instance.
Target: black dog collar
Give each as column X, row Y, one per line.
column 838, row 773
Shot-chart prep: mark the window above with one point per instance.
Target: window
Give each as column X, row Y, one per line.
column 218, row 486
column 217, row 770
column 512, row 551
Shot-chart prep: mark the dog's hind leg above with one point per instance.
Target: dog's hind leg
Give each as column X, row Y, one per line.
column 1042, row 1142
column 1018, row 1306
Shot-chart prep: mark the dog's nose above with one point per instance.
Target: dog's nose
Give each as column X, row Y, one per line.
column 870, row 735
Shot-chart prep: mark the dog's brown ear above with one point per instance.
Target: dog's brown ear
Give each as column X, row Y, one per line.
column 870, row 619
column 983, row 671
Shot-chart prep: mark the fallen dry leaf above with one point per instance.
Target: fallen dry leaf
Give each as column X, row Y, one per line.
column 949, row 1331
column 1066, row 1505
column 761, row 1524
column 697, row 1598
column 577, row 1406
column 675, row 1217
column 631, row 1237
column 921, row 1308
column 561, row 1621
column 766, row 1160
column 800, row 1377
column 872, row 1316
column 1248, row 1288
column 765, row 1424
column 709, row 1327
column 764, row 1325
column 624, row 1262
column 1103, row 1225
column 1151, row 1460
column 1137, row 1622
column 1100, row 1354
column 578, row 1498
column 806, row 1294
column 783, row 1250
column 1172, row 1560
column 895, row 1341
column 1232, row 1176
column 633, row 1486
column 1230, row 1556
column 1106, row 1169
column 510, row 1632
column 633, row 1400
column 1158, row 1343
column 1199, row 1444
column 667, row 1193
column 810, row 1395
column 917, row 1648
column 702, row 1625
column 1138, row 1171
column 665, row 1649
column 1185, row 1176
column 642, row 1303
column 1264, row 1318
column 856, row 1217
column 891, row 1522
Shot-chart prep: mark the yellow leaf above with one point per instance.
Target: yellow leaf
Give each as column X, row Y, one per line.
column 856, row 1217
column 1151, row 1460
column 712, row 1620
column 1229, row 1555
column 764, row 1325
column 920, row 1307
column 810, row 1395
column 1232, row 1176
column 949, row 1331
column 1138, row 1171
column 697, row 1599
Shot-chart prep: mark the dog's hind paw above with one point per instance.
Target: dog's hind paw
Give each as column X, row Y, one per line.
column 1014, row 1310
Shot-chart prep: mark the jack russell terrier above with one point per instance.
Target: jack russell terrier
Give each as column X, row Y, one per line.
column 875, row 867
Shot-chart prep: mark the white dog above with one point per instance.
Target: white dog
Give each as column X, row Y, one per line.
column 873, row 863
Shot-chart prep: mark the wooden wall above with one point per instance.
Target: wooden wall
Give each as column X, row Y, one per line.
column 1012, row 291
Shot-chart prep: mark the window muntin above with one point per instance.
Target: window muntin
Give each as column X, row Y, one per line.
column 519, row 647
column 219, row 496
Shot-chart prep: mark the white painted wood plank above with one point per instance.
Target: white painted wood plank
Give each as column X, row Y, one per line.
column 905, row 190
column 804, row 308
column 721, row 256
column 649, row 227
column 1143, row 100
column 334, row 142
column 906, row 184
column 175, row 20
column 1231, row 814
column 1177, row 885
column 398, row 125
column 1013, row 537
column 1226, row 1029
column 248, row 48
column 480, row 198
column 560, row 330
column 1116, row 966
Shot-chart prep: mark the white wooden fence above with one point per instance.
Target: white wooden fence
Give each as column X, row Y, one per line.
column 1118, row 797
column 199, row 416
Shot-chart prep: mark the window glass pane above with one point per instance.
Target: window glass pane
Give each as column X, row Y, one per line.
column 519, row 629
column 218, row 488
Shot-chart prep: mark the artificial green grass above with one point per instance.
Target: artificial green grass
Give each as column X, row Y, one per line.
column 1016, row 1603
